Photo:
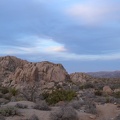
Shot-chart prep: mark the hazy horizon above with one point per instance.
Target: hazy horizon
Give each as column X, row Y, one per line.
column 83, row 35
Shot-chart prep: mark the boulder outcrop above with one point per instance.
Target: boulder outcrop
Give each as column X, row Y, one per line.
column 20, row 72
column 78, row 77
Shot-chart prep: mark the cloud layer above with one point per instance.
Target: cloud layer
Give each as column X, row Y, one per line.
column 94, row 11
column 50, row 47
column 67, row 31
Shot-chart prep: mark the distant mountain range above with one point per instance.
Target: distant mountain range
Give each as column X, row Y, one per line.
column 105, row 74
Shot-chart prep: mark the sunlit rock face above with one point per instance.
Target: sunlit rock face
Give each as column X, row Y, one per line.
column 20, row 72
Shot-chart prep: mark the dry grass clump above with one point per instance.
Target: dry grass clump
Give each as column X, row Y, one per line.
column 34, row 117
column 19, row 105
column 90, row 107
column 42, row 105
column 76, row 104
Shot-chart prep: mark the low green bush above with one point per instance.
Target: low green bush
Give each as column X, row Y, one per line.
column 59, row 95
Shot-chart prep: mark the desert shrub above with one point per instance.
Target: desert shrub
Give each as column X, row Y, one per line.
column 76, row 104
column 60, row 95
column 90, row 107
column 100, row 99
column 98, row 93
column 45, row 95
column 64, row 113
column 13, row 91
column 4, row 90
column 30, row 92
column 8, row 111
column 42, row 106
column 117, row 94
column 19, row 105
column 34, row 117
column 107, row 99
column 86, row 86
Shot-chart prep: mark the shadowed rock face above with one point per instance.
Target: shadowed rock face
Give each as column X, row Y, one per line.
column 16, row 71
column 8, row 65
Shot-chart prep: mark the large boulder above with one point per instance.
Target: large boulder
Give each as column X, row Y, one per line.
column 107, row 90
column 78, row 77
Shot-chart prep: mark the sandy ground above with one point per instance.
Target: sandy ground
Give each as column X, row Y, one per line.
column 105, row 112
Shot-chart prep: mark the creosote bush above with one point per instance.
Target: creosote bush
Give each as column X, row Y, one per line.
column 64, row 113
column 59, row 95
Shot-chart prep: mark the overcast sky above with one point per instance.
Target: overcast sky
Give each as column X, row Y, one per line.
column 83, row 35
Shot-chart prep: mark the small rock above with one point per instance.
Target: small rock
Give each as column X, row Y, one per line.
column 92, row 116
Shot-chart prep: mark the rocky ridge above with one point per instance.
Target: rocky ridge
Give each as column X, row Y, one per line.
column 14, row 71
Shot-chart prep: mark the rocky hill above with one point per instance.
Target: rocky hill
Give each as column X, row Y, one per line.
column 16, row 71
column 105, row 74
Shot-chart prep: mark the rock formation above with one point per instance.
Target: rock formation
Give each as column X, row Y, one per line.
column 14, row 71
column 8, row 65
column 78, row 77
